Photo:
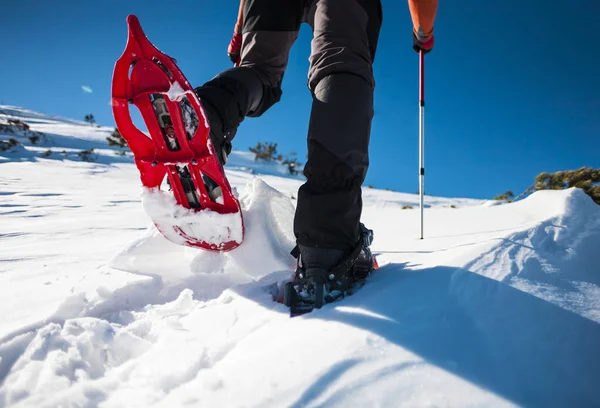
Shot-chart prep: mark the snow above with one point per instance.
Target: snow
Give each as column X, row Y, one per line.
column 206, row 225
column 498, row 306
column 175, row 91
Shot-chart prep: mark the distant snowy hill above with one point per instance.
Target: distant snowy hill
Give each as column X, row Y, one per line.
column 498, row 306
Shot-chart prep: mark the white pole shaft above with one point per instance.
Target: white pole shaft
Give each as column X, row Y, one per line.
column 422, row 139
column 422, row 165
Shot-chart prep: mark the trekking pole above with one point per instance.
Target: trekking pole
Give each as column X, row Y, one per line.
column 421, row 135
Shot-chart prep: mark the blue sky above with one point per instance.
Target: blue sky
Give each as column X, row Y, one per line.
column 513, row 87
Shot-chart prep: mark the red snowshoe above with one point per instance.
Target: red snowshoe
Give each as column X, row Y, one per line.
column 206, row 213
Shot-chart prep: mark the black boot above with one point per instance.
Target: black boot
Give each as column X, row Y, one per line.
column 220, row 137
column 312, row 274
column 325, row 275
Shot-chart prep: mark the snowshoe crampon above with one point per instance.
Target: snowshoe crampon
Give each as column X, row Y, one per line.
column 313, row 288
column 178, row 147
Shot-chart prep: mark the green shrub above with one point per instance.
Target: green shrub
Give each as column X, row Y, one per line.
column 6, row 145
column 585, row 178
column 266, row 151
column 89, row 119
column 115, row 139
column 18, row 127
column 292, row 164
column 508, row 196
column 88, row 155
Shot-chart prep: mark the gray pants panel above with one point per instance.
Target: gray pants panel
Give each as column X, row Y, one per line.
column 340, row 41
column 341, row 81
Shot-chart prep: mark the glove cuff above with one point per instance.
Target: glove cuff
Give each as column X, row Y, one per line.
column 235, row 44
column 425, row 45
column 421, row 36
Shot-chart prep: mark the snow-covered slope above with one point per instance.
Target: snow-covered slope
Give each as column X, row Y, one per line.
column 498, row 306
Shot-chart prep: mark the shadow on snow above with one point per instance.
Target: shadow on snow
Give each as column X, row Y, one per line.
column 513, row 344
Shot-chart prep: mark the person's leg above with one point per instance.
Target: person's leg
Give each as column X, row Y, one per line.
column 327, row 221
column 270, row 28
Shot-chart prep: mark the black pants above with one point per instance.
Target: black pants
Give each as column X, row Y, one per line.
column 341, row 82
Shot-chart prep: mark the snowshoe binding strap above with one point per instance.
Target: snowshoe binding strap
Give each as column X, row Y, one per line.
column 314, row 287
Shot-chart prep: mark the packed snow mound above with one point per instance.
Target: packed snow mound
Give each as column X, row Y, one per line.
column 498, row 306
column 268, row 216
column 552, row 260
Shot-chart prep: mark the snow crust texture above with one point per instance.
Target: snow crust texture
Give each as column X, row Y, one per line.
column 207, row 226
column 498, row 306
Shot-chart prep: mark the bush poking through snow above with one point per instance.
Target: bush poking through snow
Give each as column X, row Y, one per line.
column 6, row 145
column 88, row 155
column 292, row 164
column 407, row 207
column 19, row 124
column 115, row 139
column 19, row 128
column 89, row 118
column 267, row 151
column 14, row 125
column 585, row 178
column 508, row 196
